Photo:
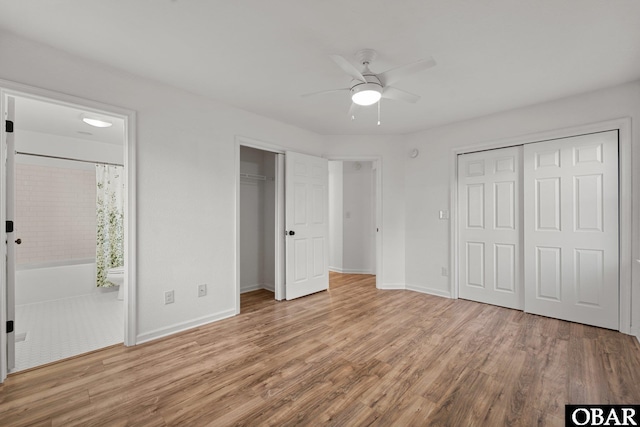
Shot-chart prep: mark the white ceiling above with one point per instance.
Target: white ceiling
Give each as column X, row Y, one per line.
column 492, row 55
column 44, row 117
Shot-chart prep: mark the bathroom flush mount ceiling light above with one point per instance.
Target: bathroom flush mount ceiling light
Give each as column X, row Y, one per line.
column 95, row 122
column 367, row 88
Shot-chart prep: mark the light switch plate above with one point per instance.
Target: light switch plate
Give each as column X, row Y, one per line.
column 444, row 215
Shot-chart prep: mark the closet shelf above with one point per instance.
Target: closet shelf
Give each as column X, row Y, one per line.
column 256, row 177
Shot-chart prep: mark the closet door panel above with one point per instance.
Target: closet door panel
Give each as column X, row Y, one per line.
column 489, row 231
column 571, row 229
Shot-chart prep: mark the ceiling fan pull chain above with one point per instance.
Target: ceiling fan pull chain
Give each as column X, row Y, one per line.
column 379, row 102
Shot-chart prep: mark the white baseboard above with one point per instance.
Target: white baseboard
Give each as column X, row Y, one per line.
column 430, row 291
column 251, row 288
column 180, row 327
column 269, row 287
column 350, row 271
column 392, row 286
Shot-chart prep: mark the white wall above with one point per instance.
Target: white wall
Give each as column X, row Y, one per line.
column 389, row 149
column 185, row 175
column 335, row 215
column 427, row 183
column 358, row 238
column 186, row 179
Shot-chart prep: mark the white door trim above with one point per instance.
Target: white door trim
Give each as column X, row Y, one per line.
column 280, row 272
column 377, row 164
column 623, row 126
column 129, row 117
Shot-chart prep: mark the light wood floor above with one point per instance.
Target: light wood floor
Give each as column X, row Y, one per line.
column 351, row 356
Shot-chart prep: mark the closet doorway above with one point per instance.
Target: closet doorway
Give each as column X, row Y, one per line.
column 282, row 222
column 539, row 228
column 260, row 205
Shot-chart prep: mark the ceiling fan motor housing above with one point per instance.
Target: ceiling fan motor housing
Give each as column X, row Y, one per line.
column 365, row 57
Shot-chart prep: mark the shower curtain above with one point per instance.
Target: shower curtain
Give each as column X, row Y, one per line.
column 110, row 214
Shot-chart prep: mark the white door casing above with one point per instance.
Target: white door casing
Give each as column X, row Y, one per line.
column 489, row 227
column 306, row 216
column 11, row 236
column 571, row 229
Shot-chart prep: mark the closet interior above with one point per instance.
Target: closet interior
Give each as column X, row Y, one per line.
column 257, row 219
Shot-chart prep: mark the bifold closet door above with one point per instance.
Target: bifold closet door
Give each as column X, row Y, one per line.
column 489, row 227
column 571, row 229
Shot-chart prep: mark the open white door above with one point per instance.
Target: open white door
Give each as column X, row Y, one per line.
column 571, row 229
column 307, row 226
column 11, row 241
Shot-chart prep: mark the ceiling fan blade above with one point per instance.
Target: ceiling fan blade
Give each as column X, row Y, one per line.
column 393, row 75
column 322, row 92
column 348, row 68
column 396, row 94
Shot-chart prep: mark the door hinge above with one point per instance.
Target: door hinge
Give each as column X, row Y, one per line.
column 9, row 326
column 9, row 227
column 8, row 126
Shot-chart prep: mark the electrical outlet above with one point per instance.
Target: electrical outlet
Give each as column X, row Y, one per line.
column 445, row 271
column 168, row 297
column 202, row 290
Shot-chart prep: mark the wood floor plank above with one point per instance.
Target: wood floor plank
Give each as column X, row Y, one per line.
column 354, row 355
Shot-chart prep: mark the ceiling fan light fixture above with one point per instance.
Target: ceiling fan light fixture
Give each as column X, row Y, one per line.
column 366, row 94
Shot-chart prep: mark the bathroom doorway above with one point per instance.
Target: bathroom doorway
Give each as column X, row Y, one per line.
column 62, row 298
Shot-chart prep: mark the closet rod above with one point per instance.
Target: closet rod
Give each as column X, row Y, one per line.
column 256, row 177
column 67, row 158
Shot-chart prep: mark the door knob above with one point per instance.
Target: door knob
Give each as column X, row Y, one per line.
column 18, row 241
column 292, row 233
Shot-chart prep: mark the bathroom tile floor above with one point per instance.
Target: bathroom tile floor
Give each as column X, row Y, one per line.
column 67, row 327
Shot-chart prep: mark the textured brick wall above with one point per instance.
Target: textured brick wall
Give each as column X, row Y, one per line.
column 55, row 214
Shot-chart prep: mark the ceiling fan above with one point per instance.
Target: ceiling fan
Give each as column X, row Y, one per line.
column 367, row 88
